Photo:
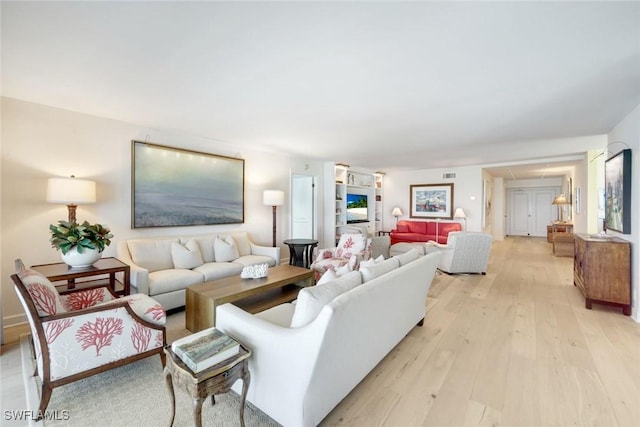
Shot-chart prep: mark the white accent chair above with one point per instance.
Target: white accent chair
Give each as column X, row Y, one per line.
column 77, row 333
column 465, row 252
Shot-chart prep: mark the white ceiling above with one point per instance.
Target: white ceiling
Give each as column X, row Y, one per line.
column 380, row 85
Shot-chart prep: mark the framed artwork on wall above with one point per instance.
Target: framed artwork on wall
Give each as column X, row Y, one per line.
column 174, row 187
column 486, row 202
column 431, row 201
column 617, row 180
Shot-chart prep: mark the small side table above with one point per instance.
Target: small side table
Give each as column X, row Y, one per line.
column 300, row 251
column 60, row 271
column 214, row 380
column 384, row 233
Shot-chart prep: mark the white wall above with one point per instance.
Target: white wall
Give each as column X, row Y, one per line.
column 467, row 192
column 628, row 132
column 39, row 142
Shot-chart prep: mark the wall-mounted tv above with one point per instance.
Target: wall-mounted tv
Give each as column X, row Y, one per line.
column 357, row 208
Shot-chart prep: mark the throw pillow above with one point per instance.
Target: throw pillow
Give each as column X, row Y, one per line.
column 43, row 294
column 371, row 261
column 226, row 250
column 327, row 276
column 243, row 243
column 409, row 256
column 311, row 299
column 370, row 273
column 187, row 256
column 351, row 244
column 341, row 271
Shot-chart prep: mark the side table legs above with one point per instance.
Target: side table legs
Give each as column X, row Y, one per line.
column 246, row 378
column 172, row 396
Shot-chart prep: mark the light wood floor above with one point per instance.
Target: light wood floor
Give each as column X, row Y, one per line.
column 513, row 348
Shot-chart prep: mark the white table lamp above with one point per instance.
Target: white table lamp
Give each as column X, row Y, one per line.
column 71, row 191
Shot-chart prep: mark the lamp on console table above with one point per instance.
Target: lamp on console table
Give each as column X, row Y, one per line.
column 396, row 212
column 71, row 191
column 273, row 198
column 459, row 214
column 560, row 201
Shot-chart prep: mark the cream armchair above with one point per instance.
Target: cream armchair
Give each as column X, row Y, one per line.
column 465, row 252
column 79, row 333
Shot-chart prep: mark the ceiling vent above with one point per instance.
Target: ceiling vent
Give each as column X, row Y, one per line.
column 449, row 175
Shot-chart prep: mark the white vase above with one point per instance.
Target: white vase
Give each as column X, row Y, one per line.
column 85, row 259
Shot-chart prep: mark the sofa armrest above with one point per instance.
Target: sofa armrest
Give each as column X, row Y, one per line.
column 282, row 359
column 266, row 251
column 139, row 277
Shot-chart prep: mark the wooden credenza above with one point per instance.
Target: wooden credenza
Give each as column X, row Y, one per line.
column 602, row 270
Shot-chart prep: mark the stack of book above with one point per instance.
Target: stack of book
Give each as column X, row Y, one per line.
column 205, row 349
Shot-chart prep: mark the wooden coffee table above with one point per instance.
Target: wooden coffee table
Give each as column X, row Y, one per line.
column 253, row 295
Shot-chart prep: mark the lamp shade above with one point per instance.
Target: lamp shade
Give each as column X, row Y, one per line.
column 560, row 200
column 396, row 212
column 71, row 191
column 273, row 197
column 459, row 213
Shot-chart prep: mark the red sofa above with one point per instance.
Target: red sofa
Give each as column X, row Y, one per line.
column 423, row 231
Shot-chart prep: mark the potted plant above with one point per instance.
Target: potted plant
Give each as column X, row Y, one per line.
column 81, row 244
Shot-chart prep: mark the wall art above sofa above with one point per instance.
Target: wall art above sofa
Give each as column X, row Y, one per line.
column 176, row 187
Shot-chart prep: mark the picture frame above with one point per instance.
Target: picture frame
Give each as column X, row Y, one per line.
column 431, row 201
column 617, row 179
column 487, row 192
column 174, row 187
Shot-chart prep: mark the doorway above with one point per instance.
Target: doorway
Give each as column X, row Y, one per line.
column 530, row 211
column 303, row 206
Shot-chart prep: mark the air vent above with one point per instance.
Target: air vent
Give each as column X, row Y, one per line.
column 449, row 175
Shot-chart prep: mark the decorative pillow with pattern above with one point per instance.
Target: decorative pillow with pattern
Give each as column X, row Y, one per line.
column 44, row 295
column 351, row 244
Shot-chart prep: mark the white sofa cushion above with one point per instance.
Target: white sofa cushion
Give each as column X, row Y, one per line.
column 152, row 254
column 242, row 242
column 186, row 256
column 225, row 249
column 255, row 260
column 370, row 273
column 407, row 257
column 326, row 277
column 218, row 270
column 163, row 281
column 311, row 299
column 205, row 244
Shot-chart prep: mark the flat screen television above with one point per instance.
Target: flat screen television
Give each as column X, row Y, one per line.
column 357, row 209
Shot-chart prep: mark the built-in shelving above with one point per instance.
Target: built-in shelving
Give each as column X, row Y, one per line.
column 348, row 181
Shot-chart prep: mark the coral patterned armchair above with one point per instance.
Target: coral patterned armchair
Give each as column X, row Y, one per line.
column 351, row 249
column 79, row 333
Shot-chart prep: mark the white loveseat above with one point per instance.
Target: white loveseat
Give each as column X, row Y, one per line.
column 300, row 372
column 163, row 267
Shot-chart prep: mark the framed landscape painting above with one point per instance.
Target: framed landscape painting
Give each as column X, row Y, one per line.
column 431, row 201
column 173, row 187
column 617, row 188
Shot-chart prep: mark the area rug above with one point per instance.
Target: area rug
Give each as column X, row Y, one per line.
column 131, row 395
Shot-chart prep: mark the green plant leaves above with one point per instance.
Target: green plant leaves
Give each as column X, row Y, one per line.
column 65, row 236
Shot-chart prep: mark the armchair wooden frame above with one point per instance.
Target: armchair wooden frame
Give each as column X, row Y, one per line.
column 38, row 333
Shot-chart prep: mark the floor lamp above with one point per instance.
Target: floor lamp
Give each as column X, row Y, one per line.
column 273, row 198
column 396, row 212
column 459, row 214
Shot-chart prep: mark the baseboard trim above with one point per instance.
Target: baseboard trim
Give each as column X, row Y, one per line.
column 11, row 334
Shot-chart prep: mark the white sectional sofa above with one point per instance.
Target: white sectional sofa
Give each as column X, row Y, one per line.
column 163, row 267
column 308, row 355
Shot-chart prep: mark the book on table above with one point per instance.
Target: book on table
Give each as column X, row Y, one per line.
column 204, row 349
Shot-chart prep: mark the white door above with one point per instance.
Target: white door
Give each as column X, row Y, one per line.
column 531, row 212
column 520, row 213
column 302, row 206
